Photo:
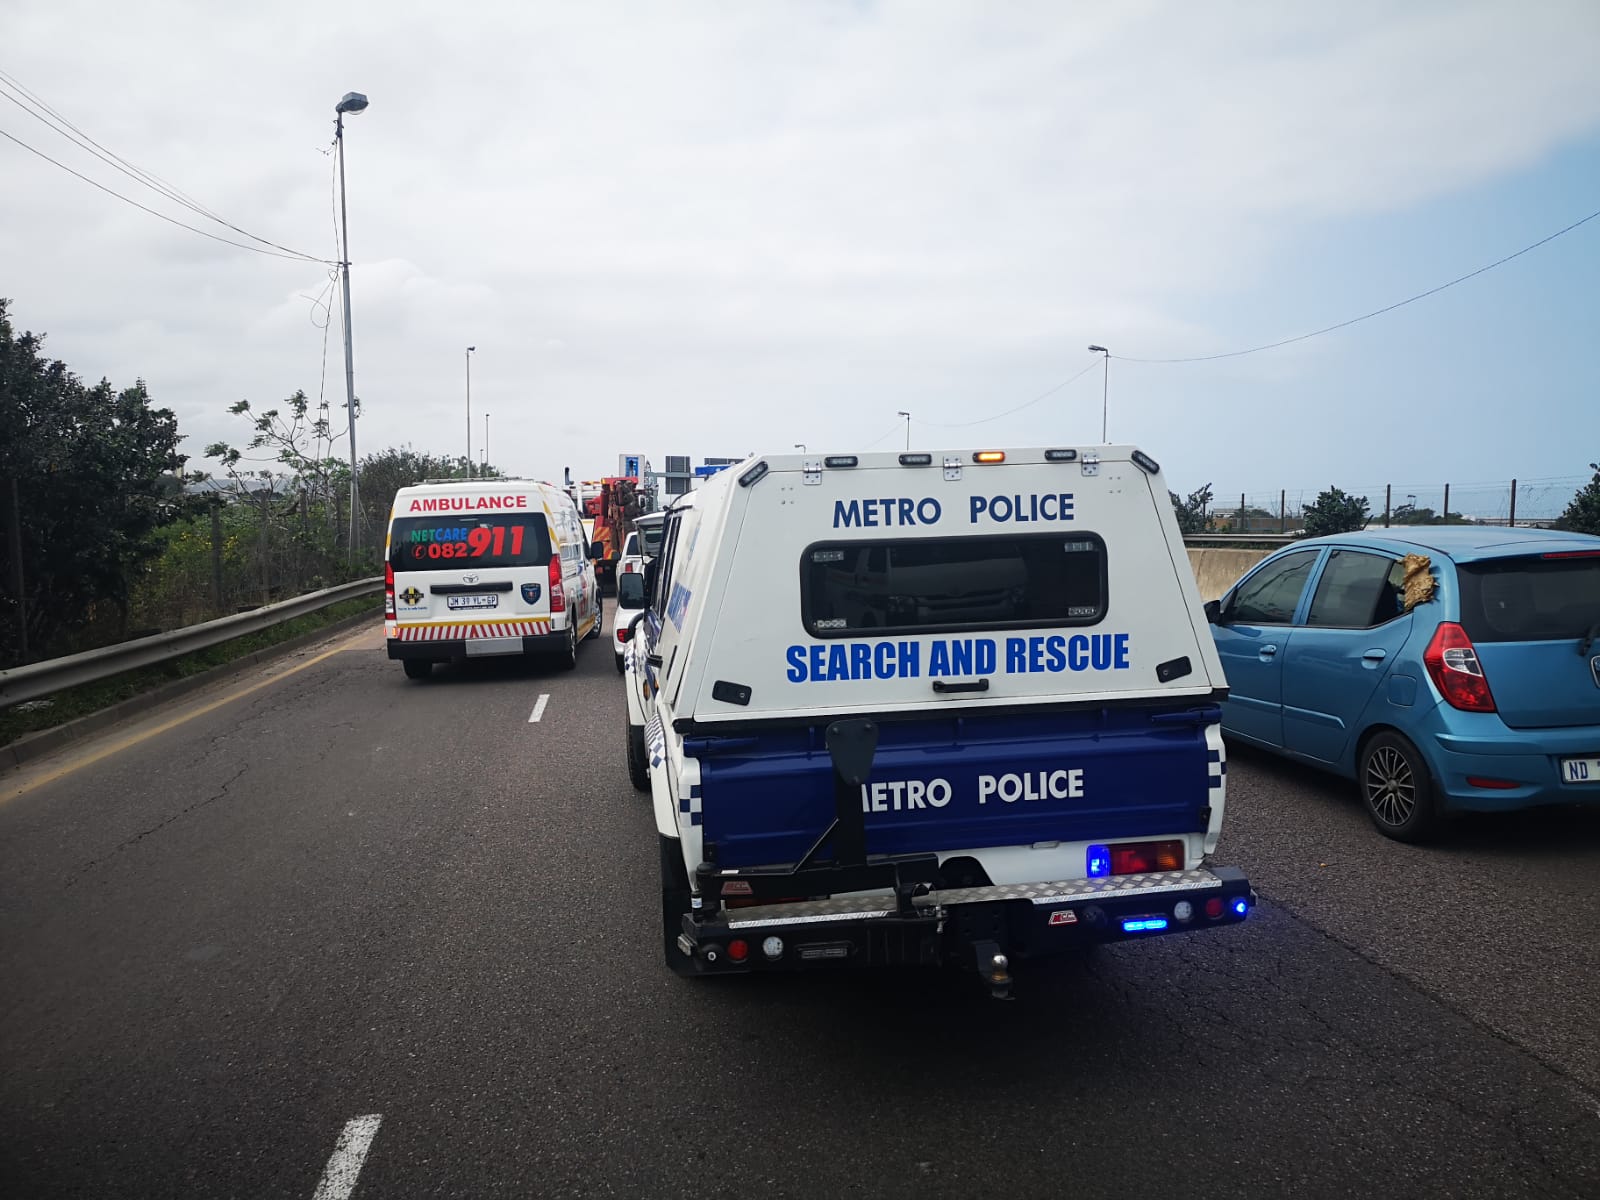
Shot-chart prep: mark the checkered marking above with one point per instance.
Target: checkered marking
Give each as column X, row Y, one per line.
column 655, row 739
column 454, row 631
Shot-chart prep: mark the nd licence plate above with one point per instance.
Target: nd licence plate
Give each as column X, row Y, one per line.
column 1580, row 770
column 485, row 601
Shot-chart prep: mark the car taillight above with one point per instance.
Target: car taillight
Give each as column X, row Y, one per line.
column 388, row 590
column 1140, row 858
column 622, row 633
column 558, row 594
column 1453, row 665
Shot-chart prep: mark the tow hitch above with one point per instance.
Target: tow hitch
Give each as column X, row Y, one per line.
column 995, row 969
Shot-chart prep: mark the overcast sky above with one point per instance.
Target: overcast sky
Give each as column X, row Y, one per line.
column 714, row 228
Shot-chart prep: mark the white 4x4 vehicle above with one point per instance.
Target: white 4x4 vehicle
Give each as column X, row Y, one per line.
column 935, row 709
column 641, row 545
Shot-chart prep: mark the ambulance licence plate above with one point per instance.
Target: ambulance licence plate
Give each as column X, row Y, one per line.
column 488, row 601
column 1580, row 770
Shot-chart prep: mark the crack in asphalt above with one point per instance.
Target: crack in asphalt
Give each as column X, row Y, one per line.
column 156, row 828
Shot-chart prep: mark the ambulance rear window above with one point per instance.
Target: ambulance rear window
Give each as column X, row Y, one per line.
column 451, row 542
column 929, row 585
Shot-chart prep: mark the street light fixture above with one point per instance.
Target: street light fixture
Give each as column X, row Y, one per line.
column 800, row 446
column 907, row 416
column 352, row 103
column 1105, row 389
column 470, row 349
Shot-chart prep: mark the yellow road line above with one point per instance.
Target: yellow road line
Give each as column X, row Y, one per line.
column 133, row 739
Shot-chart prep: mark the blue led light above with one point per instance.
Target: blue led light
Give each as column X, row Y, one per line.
column 1144, row 924
column 1099, row 862
column 1241, row 906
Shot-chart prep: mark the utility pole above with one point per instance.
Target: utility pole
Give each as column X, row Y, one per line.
column 470, row 349
column 1105, row 390
column 352, row 103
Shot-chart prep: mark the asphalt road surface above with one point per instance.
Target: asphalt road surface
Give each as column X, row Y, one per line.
column 322, row 929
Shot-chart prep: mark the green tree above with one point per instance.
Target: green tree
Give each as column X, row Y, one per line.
column 97, row 472
column 1191, row 513
column 1335, row 511
column 1583, row 514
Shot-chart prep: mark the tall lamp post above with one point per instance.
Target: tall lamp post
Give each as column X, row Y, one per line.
column 470, row 349
column 486, row 445
column 353, row 103
column 1105, row 389
column 907, row 416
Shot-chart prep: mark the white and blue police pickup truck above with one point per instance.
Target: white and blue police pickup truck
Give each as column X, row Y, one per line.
column 949, row 708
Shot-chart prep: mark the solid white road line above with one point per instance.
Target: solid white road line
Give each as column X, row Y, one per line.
column 344, row 1168
column 538, row 709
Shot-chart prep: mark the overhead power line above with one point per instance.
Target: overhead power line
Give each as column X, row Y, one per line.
column 42, row 112
column 296, row 257
column 1377, row 312
column 1008, row 412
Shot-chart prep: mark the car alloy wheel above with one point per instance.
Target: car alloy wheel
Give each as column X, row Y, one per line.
column 1391, row 786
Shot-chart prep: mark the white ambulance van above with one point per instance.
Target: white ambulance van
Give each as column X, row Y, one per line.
column 954, row 708
column 486, row 567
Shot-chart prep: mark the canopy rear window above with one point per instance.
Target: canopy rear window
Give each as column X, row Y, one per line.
column 1529, row 599
column 929, row 585
column 451, row 542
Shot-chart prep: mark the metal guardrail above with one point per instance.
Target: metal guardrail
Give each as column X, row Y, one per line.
column 1228, row 539
column 56, row 674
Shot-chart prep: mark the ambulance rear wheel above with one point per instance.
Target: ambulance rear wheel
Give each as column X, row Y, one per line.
column 417, row 668
column 674, row 903
column 638, row 770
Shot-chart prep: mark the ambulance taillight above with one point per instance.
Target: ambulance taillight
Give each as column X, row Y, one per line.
column 558, row 594
column 388, row 590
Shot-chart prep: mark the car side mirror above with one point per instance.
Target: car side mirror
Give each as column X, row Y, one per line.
column 597, row 550
column 630, row 591
column 1214, row 612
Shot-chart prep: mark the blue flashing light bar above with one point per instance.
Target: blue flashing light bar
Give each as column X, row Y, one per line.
column 1099, row 861
column 1241, row 906
column 1144, row 924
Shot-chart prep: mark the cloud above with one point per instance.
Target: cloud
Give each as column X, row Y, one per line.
column 777, row 221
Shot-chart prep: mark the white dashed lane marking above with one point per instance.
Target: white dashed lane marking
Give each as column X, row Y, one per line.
column 538, row 709
column 344, row 1168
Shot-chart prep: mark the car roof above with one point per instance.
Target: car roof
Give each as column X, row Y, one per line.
column 1462, row 543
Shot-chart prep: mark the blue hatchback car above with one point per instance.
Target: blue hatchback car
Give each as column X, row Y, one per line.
column 1485, row 696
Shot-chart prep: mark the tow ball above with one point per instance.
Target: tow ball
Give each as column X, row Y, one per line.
column 995, row 969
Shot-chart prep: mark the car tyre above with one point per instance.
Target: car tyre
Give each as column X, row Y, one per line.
column 1396, row 788
column 675, row 897
column 569, row 654
column 638, row 765
column 417, row 668
column 622, row 664
column 599, row 622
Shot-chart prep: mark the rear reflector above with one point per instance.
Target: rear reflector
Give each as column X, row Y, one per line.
column 738, row 949
column 1502, row 785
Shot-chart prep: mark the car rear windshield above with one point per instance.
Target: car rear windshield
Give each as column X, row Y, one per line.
column 1529, row 599
column 928, row 585
column 448, row 543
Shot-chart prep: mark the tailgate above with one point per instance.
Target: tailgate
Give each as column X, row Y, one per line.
column 954, row 783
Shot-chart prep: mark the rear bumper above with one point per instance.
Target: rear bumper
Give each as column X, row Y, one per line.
column 544, row 643
column 942, row 927
column 1529, row 760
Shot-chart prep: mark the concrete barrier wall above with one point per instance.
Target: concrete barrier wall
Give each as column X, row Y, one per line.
column 1218, row 570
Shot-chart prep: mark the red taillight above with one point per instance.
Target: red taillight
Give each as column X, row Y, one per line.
column 738, row 949
column 558, row 594
column 1140, row 858
column 622, row 633
column 388, row 590
column 627, row 568
column 1453, row 665
column 1214, row 907
column 1573, row 554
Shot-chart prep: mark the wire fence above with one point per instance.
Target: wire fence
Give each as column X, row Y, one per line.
column 1510, row 502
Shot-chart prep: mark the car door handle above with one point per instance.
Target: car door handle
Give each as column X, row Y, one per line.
column 1373, row 657
column 1267, row 652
